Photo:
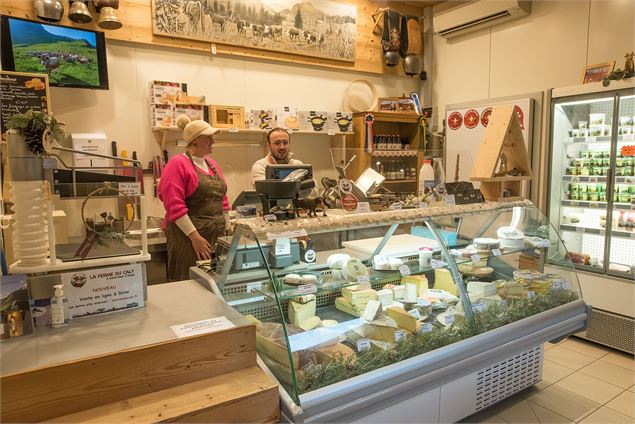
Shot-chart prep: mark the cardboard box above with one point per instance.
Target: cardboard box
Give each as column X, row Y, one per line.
column 164, row 92
column 313, row 120
column 262, row 119
column 194, row 111
column 227, row 116
column 162, row 116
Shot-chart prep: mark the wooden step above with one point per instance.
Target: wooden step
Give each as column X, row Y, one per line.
column 244, row 396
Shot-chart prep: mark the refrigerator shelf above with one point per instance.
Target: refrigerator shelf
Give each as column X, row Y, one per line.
column 596, row 230
column 590, row 204
column 600, row 139
column 597, row 179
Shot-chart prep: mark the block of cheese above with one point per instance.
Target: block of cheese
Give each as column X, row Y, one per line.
column 344, row 305
column 300, row 312
column 372, row 310
column 381, row 329
column 481, row 288
column 420, row 280
column 510, row 288
column 410, row 295
column 398, row 292
column 403, row 318
column 378, row 344
column 310, row 323
column 326, row 354
column 443, row 281
column 385, row 297
column 358, row 296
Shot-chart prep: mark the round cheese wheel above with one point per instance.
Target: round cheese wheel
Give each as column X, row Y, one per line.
column 352, row 269
column 309, row 279
column 337, row 260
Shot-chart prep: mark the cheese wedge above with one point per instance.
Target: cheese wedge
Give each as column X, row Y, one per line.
column 357, row 296
column 404, row 319
column 381, row 329
column 310, row 323
column 411, row 292
column 443, row 281
column 345, row 306
column 420, row 280
column 300, row 312
column 481, row 288
column 398, row 292
column 385, row 297
column 372, row 310
column 326, row 354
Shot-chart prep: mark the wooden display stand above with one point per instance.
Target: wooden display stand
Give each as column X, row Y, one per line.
column 502, row 151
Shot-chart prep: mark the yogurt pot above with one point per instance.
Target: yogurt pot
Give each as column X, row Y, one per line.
column 583, row 125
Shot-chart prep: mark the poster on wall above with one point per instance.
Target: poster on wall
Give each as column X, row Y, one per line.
column 103, row 290
column 466, row 127
column 317, row 28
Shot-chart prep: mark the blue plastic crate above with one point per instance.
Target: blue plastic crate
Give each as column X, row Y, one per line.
column 422, row 231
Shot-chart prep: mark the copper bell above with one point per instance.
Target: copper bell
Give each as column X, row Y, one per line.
column 79, row 12
column 48, row 10
column 108, row 19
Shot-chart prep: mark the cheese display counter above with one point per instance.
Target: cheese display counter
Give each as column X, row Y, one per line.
column 427, row 314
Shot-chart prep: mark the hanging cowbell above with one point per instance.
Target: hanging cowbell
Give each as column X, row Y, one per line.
column 48, row 10
column 108, row 19
column 391, row 37
column 79, row 12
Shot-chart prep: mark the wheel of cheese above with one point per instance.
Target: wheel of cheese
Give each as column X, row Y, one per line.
column 352, row 269
column 337, row 260
column 293, row 279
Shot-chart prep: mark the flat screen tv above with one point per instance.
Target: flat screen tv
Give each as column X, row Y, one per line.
column 71, row 57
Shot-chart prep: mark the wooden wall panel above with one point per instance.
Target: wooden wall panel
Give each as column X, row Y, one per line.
column 137, row 27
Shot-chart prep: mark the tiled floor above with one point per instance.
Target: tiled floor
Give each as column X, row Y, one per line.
column 581, row 383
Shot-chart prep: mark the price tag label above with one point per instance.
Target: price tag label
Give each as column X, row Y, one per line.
column 426, row 328
column 504, row 303
column 423, row 205
column 448, row 319
column 307, row 288
column 530, row 294
column 363, row 344
column 496, row 252
column 283, row 246
column 270, row 217
column 423, row 302
column 475, row 258
column 479, row 307
column 436, row 264
column 404, row 270
column 395, row 206
column 253, row 286
column 628, row 137
column 331, row 132
column 415, row 313
column 450, row 200
column 363, row 281
column 363, row 207
column 544, row 243
column 131, row 189
column 400, row 335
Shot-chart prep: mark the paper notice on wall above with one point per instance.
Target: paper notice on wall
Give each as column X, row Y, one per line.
column 103, row 290
column 201, row 327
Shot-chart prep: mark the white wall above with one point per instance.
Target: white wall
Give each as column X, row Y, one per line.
column 547, row 49
column 122, row 112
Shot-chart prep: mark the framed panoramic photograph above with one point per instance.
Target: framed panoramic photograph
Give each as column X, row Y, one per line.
column 595, row 73
column 317, row 28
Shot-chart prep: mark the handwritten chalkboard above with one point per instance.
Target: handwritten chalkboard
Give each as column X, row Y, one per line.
column 20, row 92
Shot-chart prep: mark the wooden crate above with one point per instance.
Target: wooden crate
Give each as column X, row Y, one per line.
column 227, row 116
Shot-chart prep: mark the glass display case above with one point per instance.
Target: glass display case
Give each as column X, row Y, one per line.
column 592, row 170
column 349, row 304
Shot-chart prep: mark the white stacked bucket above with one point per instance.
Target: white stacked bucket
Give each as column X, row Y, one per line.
column 29, row 194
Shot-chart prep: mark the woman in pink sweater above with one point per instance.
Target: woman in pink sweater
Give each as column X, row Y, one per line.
column 193, row 192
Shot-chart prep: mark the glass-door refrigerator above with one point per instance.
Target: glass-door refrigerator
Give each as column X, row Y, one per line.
column 592, row 177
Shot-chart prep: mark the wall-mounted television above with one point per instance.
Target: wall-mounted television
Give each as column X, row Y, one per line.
column 71, row 57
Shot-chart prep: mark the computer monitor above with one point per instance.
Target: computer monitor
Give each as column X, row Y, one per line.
column 280, row 172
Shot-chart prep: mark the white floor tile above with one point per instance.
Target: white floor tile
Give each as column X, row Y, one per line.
column 611, row 373
column 589, row 387
column 587, row 348
column 546, row 416
column 520, row 412
column 624, row 403
column 606, row 415
column 568, row 358
column 552, row 371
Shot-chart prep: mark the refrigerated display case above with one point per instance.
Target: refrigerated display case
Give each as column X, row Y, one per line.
column 591, row 200
column 413, row 315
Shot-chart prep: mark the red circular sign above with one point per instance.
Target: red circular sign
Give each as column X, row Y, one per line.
column 520, row 115
column 349, row 203
column 471, row 119
column 455, row 120
column 485, row 116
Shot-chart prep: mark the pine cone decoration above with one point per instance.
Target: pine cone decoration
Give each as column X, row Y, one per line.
column 33, row 138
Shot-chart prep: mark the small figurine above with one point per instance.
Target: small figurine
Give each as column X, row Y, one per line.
column 310, row 204
column 629, row 68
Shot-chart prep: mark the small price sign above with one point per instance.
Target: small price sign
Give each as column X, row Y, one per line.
column 130, row 189
column 363, row 281
column 270, row 217
column 448, row 319
column 426, row 328
column 415, row 313
column 436, row 264
column 475, row 258
column 450, row 200
column 628, row 137
column 283, row 246
column 496, row 252
column 423, row 302
column 307, row 288
column 400, row 335
column 404, row 270
column 363, row 344
column 395, row 206
column 531, row 294
column 331, row 132
column 363, row 207
column 479, row 307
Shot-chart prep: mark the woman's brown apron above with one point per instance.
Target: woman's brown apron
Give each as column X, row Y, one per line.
column 205, row 209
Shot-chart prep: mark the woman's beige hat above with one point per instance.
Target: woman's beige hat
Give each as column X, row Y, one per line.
column 193, row 129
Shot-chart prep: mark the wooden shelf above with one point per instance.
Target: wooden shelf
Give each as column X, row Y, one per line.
column 503, row 179
column 398, row 181
column 401, row 117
